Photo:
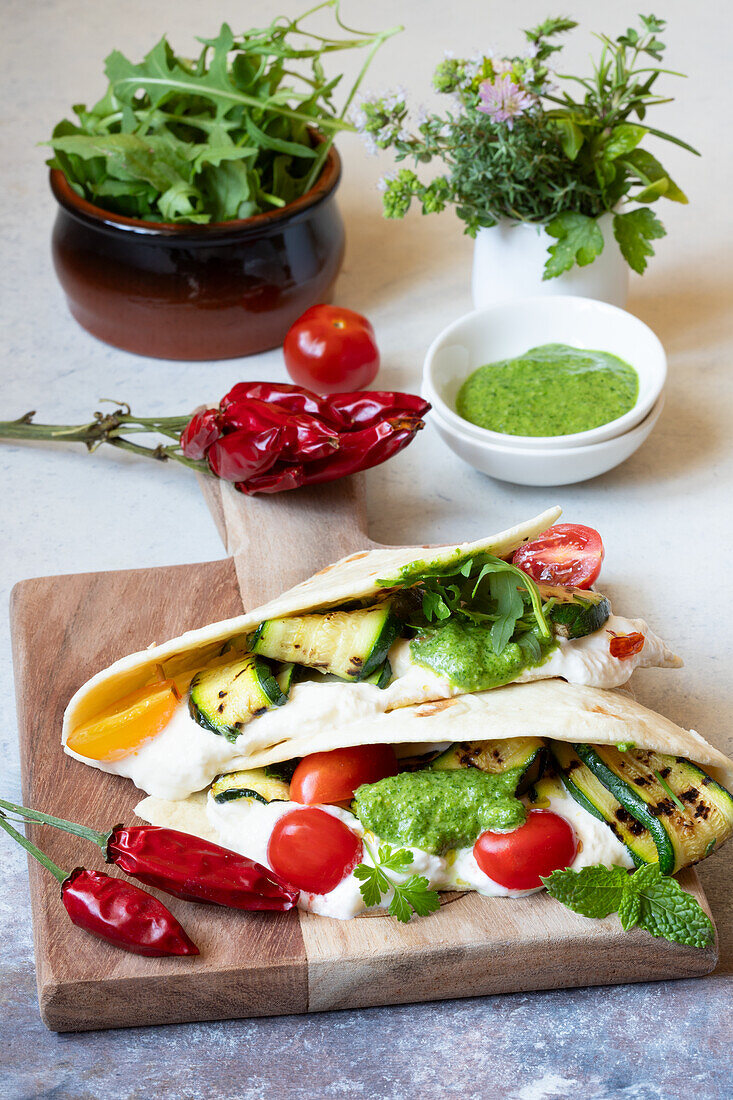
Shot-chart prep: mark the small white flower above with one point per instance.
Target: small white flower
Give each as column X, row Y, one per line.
column 422, row 116
column 384, row 182
column 404, row 135
column 370, row 145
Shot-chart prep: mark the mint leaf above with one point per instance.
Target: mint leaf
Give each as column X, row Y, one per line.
column 666, row 910
column 629, row 910
column 592, row 892
column 633, row 231
column 579, row 242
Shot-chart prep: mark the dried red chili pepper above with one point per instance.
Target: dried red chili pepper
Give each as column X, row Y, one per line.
column 626, row 645
column 265, row 437
column 302, row 437
column 113, row 909
column 123, row 915
column 363, row 410
column 203, row 429
column 181, row 864
column 357, row 451
column 196, row 869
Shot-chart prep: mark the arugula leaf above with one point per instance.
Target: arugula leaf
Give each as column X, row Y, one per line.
column 413, row 896
column 633, row 231
column 223, row 136
column 579, row 241
column 648, row 898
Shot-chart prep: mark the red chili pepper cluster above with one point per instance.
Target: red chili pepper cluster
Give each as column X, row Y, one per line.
column 177, row 863
column 267, row 437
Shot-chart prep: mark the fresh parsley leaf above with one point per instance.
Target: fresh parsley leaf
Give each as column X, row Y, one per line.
column 592, row 892
column 579, row 242
column 647, row 168
column 411, row 897
column 633, row 231
column 648, row 898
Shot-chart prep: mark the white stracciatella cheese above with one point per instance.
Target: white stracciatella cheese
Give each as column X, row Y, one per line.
column 185, row 758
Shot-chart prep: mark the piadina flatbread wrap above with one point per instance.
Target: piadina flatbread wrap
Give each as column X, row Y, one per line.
column 368, row 636
column 410, row 721
column 596, row 778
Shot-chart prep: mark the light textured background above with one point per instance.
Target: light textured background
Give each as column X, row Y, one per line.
column 665, row 517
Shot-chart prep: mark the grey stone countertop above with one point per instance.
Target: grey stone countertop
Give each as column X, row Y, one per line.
column 665, row 517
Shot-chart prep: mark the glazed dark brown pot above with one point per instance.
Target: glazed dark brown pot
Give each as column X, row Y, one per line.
column 213, row 291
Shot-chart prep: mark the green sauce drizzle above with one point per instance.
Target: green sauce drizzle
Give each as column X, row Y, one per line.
column 550, row 390
column 440, row 810
column 464, row 653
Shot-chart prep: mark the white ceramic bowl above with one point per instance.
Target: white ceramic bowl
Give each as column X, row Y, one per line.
column 551, row 466
column 507, row 329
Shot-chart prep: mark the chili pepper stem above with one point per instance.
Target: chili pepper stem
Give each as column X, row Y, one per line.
column 83, row 831
column 36, row 852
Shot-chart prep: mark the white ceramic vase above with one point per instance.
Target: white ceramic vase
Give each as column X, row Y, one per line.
column 509, row 260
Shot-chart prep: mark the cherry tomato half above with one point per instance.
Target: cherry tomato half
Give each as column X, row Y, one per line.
column 313, row 850
column 566, row 554
column 334, row 776
column 331, row 350
column 516, row 860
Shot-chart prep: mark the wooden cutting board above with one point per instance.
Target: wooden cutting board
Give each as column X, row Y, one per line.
column 67, row 628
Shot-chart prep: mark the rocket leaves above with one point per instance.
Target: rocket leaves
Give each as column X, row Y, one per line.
column 225, row 136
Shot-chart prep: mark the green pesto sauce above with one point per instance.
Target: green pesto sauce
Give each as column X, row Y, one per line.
column 550, row 390
column 465, row 654
column 439, row 810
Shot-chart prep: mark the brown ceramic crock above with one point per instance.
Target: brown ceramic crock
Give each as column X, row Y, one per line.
column 214, row 291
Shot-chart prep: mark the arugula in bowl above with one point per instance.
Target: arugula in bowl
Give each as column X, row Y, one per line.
column 232, row 133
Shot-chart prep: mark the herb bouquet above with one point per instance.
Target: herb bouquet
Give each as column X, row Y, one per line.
column 522, row 145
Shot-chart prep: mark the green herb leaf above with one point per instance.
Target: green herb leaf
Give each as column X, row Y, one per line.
column 648, row 898
column 633, row 231
column 579, row 241
column 413, row 896
column 592, row 892
column 667, row 911
column 647, row 168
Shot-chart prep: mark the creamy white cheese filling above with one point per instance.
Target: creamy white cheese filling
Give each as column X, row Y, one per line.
column 185, row 758
column 246, row 826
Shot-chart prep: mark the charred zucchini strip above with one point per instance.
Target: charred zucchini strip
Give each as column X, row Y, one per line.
column 588, row 791
column 255, row 785
column 349, row 644
column 227, row 696
column 694, row 811
column 574, row 612
column 528, row 753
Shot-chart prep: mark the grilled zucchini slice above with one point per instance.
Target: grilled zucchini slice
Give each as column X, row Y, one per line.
column 588, row 791
column 574, row 612
column 349, row 644
column 529, row 753
column 255, row 785
column 687, row 812
column 227, row 696
column 381, row 677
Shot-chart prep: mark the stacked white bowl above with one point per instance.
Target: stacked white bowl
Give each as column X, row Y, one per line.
column 509, row 329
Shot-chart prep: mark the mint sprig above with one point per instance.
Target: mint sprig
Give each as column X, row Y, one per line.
column 646, row 898
column 411, row 897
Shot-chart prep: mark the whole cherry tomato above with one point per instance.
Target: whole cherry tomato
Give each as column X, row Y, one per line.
column 313, row 850
column 566, row 554
column 334, row 776
column 330, row 350
column 516, row 860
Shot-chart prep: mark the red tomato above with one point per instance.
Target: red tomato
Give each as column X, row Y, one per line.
column 516, row 860
column 313, row 850
column 330, row 350
column 334, row 776
column 566, row 554
column 626, row 645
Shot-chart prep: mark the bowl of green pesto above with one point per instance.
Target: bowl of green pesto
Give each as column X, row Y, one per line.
column 545, row 373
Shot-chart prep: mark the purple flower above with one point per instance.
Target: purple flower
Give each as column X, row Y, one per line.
column 503, row 100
